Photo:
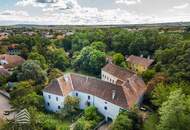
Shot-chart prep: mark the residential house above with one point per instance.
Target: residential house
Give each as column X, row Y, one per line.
column 10, row 61
column 13, row 49
column 60, row 37
column 29, row 33
column 139, row 64
column 109, row 97
column 3, row 36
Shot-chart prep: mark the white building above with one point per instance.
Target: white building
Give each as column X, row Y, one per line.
column 109, row 98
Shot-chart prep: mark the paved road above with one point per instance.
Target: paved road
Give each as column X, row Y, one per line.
column 105, row 126
column 5, row 106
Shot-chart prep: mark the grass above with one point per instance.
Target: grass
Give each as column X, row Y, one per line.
column 64, row 126
column 2, row 122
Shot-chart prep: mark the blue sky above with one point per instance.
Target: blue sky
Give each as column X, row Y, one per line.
column 87, row 12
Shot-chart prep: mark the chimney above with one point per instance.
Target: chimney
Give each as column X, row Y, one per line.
column 86, row 79
column 141, row 55
column 113, row 94
column 66, row 78
column 148, row 57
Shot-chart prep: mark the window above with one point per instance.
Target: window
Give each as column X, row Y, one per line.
column 56, row 98
column 105, row 108
column 77, row 94
column 49, row 96
column 88, row 103
column 88, row 97
column 48, row 104
column 59, row 107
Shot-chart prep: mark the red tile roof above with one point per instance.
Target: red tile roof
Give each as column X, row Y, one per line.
column 99, row 88
column 125, row 96
column 140, row 60
column 59, row 87
column 134, row 89
column 13, row 60
column 119, row 72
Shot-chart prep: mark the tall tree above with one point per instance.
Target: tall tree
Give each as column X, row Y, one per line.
column 90, row 60
column 174, row 113
column 31, row 70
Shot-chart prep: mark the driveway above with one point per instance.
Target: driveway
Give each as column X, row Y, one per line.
column 5, row 106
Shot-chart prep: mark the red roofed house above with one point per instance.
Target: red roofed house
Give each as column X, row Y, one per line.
column 110, row 97
column 10, row 61
column 139, row 64
column 3, row 36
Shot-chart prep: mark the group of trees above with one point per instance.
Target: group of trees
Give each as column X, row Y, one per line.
column 87, row 50
column 89, row 120
column 127, row 121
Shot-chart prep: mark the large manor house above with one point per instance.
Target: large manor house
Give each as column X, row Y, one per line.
column 118, row 89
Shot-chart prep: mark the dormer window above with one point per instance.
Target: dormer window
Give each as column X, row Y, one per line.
column 49, row 96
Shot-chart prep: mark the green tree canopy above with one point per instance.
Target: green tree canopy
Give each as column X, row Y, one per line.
column 31, row 70
column 39, row 58
column 90, row 60
column 118, row 59
column 122, row 122
column 99, row 46
column 174, row 113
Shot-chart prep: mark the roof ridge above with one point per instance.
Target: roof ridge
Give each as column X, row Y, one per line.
column 85, row 76
column 60, row 86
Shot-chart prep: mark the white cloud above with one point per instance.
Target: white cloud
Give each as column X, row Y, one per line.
column 49, row 4
column 128, row 2
column 183, row 6
column 63, row 12
column 14, row 13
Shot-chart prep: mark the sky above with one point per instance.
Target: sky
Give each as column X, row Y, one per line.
column 93, row 12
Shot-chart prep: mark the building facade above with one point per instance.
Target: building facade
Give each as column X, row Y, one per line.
column 106, row 95
column 139, row 64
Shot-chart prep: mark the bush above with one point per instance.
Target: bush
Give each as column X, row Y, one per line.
column 90, row 119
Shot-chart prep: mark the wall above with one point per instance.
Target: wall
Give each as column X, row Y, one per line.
column 111, row 112
column 106, row 77
column 53, row 103
column 137, row 68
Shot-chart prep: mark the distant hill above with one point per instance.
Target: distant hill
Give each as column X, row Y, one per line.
column 167, row 25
